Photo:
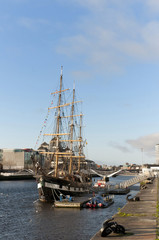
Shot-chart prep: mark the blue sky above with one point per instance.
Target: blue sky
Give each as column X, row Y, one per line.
column 109, row 48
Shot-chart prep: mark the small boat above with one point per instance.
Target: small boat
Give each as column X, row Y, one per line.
column 100, row 183
column 99, row 202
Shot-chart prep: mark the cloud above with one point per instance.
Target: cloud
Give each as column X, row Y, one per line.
column 153, row 5
column 96, row 47
column 81, row 76
column 112, row 35
column 92, row 5
column 119, row 147
column 31, row 23
column 147, row 142
column 78, row 45
column 101, row 5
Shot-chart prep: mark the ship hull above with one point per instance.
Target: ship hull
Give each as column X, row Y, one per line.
column 51, row 190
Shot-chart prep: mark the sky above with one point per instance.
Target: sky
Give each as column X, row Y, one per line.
column 109, row 48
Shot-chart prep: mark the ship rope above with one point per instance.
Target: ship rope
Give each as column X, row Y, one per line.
column 57, row 195
column 53, row 194
column 61, row 193
column 44, row 124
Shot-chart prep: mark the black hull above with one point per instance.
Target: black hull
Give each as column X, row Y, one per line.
column 50, row 189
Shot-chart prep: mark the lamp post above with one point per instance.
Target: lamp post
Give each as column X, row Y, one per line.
column 142, row 150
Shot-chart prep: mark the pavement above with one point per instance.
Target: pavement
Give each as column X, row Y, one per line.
column 139, row 218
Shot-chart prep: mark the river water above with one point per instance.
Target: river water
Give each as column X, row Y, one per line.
column 22, row 216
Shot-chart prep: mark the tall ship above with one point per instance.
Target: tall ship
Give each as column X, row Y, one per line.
column 65, row 170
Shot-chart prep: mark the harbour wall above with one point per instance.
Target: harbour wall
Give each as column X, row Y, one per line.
column 139, row 218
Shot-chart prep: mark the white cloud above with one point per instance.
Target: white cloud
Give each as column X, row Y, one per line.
column 110, row 39
column 78, row 44
column 150, row 35
column 153, row 5
column 146, row 142
column 31, row 23
column 119, row 147
column 96, row 45
column 81, row 76
column 92, row 4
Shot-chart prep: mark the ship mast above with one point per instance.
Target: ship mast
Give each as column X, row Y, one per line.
column 80, row 145
column 58, row 124
column 58, row 133
column 72, row 128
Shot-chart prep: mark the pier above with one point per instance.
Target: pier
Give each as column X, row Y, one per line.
column 140, row 218
column 77, row 202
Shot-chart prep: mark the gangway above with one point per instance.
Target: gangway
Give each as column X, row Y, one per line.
column 135, row 180
column 122, row 187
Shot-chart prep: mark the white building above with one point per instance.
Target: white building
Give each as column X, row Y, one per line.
column 16, row 159
column 154, row 169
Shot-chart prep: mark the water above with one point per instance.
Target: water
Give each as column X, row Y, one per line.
column 22, row 216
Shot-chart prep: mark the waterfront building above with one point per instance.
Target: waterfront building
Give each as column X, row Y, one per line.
column 147, row 168
column 17, row 159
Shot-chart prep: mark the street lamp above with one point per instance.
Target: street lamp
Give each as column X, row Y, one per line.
column 142, row 150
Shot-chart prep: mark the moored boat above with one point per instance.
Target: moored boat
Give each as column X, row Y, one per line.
column 99, row 202
column 100, row 184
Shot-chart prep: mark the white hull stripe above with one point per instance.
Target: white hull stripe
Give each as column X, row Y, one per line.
column 65, row 188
